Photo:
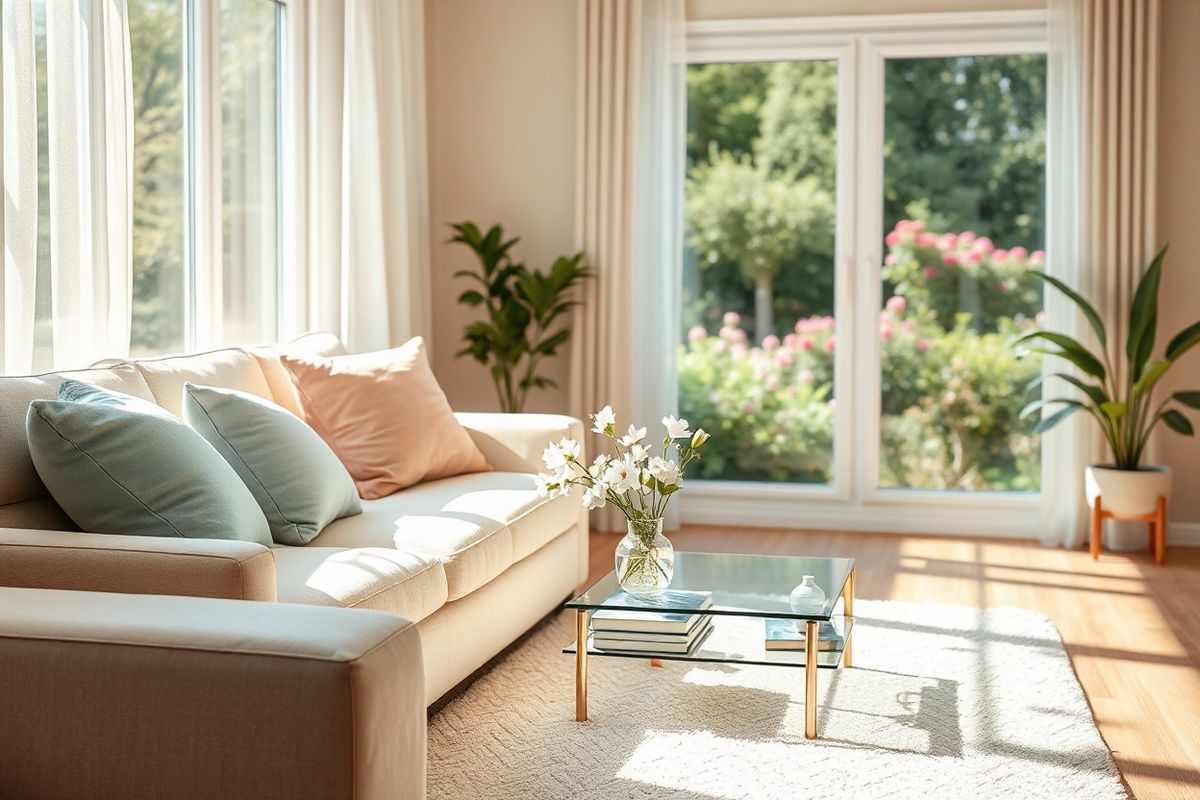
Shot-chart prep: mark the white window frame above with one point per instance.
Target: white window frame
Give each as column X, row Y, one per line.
column 861, row 44
column 203, row 265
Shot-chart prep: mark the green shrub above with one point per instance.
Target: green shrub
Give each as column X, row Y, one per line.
column 952, row 386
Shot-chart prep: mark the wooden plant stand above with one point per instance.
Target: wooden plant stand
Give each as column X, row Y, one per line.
column 1158, row 527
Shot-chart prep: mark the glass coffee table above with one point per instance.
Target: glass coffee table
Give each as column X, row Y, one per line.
column 746, row 590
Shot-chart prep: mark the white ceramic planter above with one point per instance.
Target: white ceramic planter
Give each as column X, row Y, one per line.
column 1126, row 493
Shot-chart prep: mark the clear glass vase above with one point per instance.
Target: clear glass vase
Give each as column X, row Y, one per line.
column 645, row 558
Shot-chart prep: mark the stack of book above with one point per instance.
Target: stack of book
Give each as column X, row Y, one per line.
column 790, row 634
column 674, row 632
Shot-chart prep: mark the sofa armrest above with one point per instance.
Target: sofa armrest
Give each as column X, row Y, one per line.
column 515, row 442
column 102, row 562
column 151, row 696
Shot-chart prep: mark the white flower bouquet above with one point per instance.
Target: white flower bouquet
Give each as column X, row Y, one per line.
column 637, row 481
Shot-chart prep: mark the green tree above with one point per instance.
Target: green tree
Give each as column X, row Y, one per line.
column 740, row 213
column 967, row 137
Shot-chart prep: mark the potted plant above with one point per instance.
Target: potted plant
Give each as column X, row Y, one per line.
column 1124, row 408
column 523, row 307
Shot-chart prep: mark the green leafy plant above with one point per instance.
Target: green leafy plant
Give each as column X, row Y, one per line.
column 521, row 305
column 1125, row 411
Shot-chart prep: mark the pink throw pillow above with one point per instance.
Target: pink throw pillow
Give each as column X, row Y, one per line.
column 385, row 416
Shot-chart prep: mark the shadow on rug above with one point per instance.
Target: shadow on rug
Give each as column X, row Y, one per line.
column 943, row 702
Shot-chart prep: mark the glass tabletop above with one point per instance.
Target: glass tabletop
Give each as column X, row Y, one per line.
column 741, row 585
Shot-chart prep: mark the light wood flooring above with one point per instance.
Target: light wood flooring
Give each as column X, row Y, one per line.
column 1132, row 628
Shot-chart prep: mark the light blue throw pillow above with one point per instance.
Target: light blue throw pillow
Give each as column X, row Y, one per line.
column 297, row 480
column 119, row 464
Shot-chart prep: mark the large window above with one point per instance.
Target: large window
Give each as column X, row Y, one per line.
column 862, row 205
column 756, row 368
column 205, row 242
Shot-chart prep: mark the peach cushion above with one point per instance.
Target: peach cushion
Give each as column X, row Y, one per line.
column 385, row 416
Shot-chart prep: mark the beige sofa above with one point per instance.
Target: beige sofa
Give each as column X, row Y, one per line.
column 474, row 561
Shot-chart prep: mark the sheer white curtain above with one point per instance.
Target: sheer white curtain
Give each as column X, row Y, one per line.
column 1102, row 106
column 356, row 187
column 630, row 173
column 85, row 277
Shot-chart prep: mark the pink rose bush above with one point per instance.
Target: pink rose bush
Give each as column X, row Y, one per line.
column 937, row 271
column 952, row 387
column 773, row 399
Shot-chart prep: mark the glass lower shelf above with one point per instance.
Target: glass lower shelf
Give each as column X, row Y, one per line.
column 734, row 640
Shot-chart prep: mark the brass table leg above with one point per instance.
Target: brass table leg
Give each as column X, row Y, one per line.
column 847, row 609
column 581, row 627
column 810, row 681
column 848, row 612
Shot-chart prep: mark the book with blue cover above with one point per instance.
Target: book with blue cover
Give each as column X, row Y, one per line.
column 782, row 634
column 679, row 623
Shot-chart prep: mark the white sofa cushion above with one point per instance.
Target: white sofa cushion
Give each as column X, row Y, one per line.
column 231, row 368
column 381, row 578
column 477, row 525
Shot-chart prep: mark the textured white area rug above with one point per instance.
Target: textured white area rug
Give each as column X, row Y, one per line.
column 943, row 702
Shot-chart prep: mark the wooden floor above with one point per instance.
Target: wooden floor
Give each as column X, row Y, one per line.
column 1132, row 628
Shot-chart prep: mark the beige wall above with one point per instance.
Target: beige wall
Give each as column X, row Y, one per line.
column 501, row 105
column 502, row 130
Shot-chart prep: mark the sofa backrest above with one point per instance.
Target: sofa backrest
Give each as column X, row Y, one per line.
column 232, row 368
column 24, row 501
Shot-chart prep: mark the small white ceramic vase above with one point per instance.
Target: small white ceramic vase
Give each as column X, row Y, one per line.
column 807, row 598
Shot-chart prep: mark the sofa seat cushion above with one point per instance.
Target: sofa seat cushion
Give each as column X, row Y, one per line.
column 477, row 525
column 380, row 578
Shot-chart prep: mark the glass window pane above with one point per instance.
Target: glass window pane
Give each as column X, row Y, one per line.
column 964, row 189
column 156, row 49
column 250, row 154
column 756, row 361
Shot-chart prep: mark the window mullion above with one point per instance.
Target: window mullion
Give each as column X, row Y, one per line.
column 204, row 173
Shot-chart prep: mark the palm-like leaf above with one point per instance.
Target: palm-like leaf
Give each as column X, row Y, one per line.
column 1069, row 349
column 1127, row 416
column 520, row 306
column 1143, row 317
column 1089, row 312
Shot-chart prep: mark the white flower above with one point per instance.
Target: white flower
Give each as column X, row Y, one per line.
column 634, row 436
column 603, row 419
column 676, row 428
column 598, row 466
column 551, row 486
column 594, row 498
column 559, row 455
column 571, row 449
column 667, row 472
column 565, row 475
column 638, row 451
column 621, row 476
column 553, row 457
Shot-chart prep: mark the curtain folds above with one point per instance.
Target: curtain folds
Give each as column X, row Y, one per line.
column 631, row 126
column 67, row 283
column 1102, row 127
column 356, row 224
